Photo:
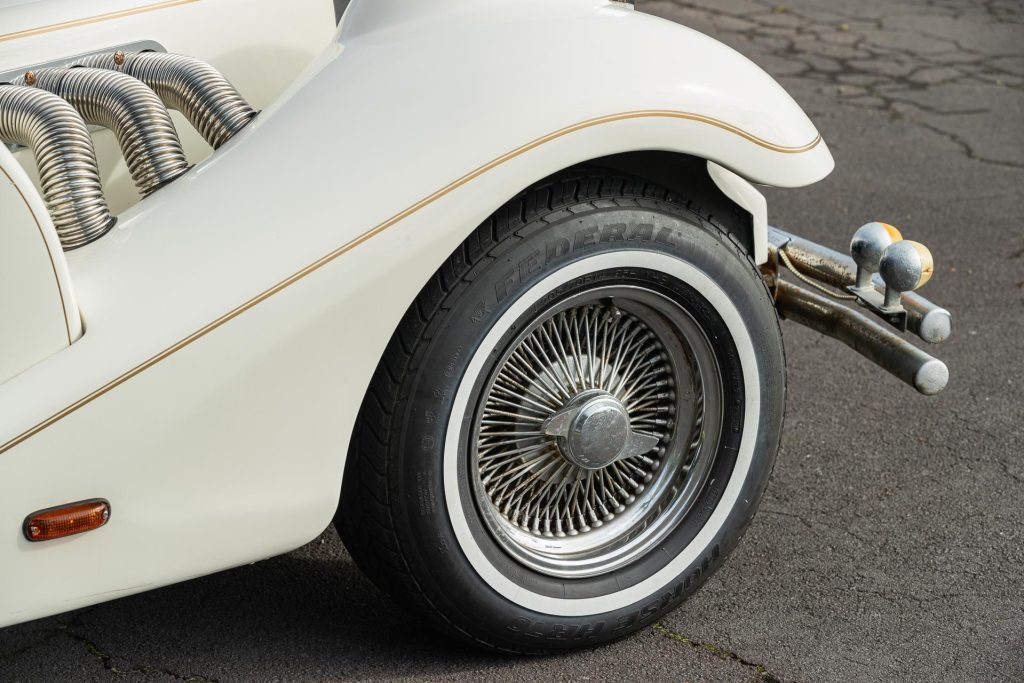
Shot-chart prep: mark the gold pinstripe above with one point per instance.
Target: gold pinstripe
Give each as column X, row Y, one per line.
column 376, row 230
column 93, row 20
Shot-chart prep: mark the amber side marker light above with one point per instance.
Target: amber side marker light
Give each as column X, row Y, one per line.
column 66, row 520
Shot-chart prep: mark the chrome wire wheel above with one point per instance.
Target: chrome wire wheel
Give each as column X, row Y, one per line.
column 596, row 431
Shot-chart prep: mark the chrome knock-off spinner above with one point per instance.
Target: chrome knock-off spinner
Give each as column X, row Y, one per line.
column 592, row 431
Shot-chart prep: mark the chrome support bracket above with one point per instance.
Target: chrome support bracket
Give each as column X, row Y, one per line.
column 875, row 301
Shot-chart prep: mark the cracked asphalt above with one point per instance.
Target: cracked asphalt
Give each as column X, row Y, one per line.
column 889, row 545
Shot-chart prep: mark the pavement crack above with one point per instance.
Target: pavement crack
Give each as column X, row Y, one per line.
column 1018, row 252
column 47, row 637
column 1006, row 470
column 717, row 651
column 820, row 522
column 107, row 660
column 966, row 148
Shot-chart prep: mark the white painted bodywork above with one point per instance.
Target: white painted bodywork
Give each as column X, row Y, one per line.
column 37, row 307
column 234, row 317
column 747, row 197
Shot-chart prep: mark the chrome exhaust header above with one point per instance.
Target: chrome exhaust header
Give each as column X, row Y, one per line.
column 50, row 107
column 68, row 171
column 193, row 87
column 131, row 110
column 837, row 276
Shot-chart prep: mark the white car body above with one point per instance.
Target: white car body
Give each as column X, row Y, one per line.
column 202, row 365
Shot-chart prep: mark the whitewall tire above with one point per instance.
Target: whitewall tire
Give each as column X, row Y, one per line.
column 574, row 423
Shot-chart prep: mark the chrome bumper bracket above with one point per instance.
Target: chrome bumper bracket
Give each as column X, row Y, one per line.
column 836, row 275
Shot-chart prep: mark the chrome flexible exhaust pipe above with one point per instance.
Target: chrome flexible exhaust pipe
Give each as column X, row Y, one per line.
column 884, row 348
column 191, row 86
column 66, row 159
column 131, row 110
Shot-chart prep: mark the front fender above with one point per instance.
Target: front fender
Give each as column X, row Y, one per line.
column 514, row 71
column 235, row 317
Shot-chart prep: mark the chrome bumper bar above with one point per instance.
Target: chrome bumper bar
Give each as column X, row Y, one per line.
column 837, row 275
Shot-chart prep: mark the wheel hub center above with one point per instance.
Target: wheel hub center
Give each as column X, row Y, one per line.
column 598, row 433
column 592, row 431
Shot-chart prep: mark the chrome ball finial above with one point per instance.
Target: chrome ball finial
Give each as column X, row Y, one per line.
column 867, row 246
column 904, row 267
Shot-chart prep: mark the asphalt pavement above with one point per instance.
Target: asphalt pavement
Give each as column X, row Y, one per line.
column 889, row 545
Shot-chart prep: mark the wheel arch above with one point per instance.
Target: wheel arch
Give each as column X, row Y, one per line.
column 685, row 175
column 701, row 97
column 660, row 98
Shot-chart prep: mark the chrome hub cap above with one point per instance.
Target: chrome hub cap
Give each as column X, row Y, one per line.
column 595, row 431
